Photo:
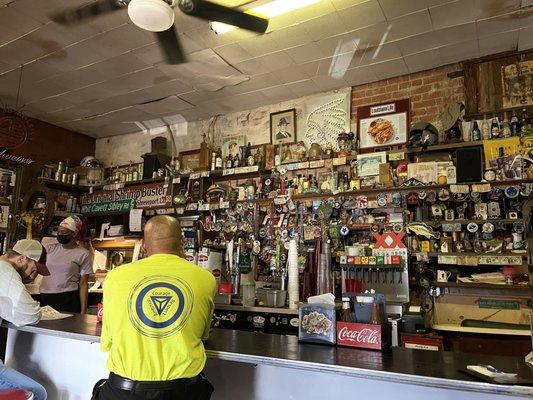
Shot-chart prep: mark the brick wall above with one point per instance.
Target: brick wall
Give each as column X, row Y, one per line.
column 428, row 90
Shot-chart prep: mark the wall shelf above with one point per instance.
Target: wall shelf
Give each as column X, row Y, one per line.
column 461, row 285
column 52, row 183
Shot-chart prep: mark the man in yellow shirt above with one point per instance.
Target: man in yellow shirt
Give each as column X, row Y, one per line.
column 157, row 312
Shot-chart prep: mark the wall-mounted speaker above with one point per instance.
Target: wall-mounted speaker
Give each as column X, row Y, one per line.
column 469, row 164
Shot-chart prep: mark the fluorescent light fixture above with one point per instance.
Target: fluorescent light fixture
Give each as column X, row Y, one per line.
column 269, row 10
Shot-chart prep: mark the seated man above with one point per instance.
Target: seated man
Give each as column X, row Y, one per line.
column 17, row 267
column 157, row 311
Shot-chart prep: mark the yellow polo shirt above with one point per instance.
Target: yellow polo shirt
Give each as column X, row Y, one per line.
column 157, row 311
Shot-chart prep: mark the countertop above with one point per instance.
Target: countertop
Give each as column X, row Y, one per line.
column 415, row 367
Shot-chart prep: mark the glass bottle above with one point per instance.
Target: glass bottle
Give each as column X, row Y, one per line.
column 374, row 318
column 346, row 315
column 495, row 128
column 506, row 126
column 229, row 162
column 213, row 160
column 485, row 128
column 524, row 123
column 476, row 132
column 515, row 125
column 218, row 160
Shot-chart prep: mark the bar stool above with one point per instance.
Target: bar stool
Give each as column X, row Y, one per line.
column 15, row 394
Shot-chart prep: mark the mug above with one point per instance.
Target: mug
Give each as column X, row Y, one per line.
column 443, row 276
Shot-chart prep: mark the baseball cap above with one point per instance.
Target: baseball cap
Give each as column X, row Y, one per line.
column 34, row 251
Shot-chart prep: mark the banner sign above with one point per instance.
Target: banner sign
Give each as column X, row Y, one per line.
column 155, row 195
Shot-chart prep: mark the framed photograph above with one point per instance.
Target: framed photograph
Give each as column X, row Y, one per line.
column 270, row 154
column 283, row 127
column 231, row 145
column 190, row 159
column 383, row 125
column 368, row 164
column 258, row 152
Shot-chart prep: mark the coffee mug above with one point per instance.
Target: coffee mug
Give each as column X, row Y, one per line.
column 443, row 276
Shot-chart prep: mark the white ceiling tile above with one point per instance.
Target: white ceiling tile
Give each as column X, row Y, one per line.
column 324, row 27
column 394, row 8
column 459, row 52
column 51, row 104
column 278, row 93
column 20, row 52
column 291, row 36
column 267, row 63
column 303, row 88
column 290, row 74
column 260, row 45
column 326, row 83
column 408, row 25
column 362, row 15
column 233, row 53
column 120, row 40
column 423, row 61
column 489, row 8
column 455, row 13
column 525, row 18
column 73, row 57
column 307, row 52
column 441, row 37
column 316, row 68
column 369, row 36
column 342, row 4
column 490, row 26
column 171, row 104
column 16, row 21
column 360, row 75
column 525, row 39
column 387, row 51
column 506, row 41
column 388, row 69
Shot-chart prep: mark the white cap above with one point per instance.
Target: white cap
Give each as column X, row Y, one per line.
column 34, row 251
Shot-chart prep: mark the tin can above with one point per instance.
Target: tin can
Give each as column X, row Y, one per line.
column 74, row 178
column 100, row 313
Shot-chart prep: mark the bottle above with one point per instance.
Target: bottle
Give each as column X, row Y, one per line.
column 495, row 128
column 213, row 161
column 218, row 160
column 476, row 132
column 346, row 314
column 229, row 162
column 485, row 128
column 374, row 318
column 506, row 126
column 515, row 125
column 524, row 123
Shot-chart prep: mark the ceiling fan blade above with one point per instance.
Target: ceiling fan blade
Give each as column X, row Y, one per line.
column 170, row 44
column 88, row 11
column 216, row 12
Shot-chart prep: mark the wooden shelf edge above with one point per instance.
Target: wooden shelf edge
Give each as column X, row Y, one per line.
column 460, row 285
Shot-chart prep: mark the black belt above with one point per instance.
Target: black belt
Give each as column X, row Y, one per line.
column 130, row 385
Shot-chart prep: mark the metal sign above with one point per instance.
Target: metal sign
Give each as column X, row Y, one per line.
column 107, row 207
column 156, row 195
column 499, row 304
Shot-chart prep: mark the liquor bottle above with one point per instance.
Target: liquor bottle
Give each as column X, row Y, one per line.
column 506, row 126
column 218, row 160
column 495, row 128
column 485, row 128
column 524, row 123
column 515, row 125
column 476, row 132
column 213, row 160
column 374, row 318
column 346, row 314
column 229, row 162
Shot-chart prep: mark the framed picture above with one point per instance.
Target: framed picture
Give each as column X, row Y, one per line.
column 190, row 159
column 258, row 152
column 383, row 125
column 231, row 145
column 368, row 164
column 517, row 81
column 283, row 127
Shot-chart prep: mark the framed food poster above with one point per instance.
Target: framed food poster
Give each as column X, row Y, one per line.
column 190, row 160
column 231, row 145
column 383, row 125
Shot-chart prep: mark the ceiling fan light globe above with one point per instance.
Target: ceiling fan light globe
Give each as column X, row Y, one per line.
column 151, row 15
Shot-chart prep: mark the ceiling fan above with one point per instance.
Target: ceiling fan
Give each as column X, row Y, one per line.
column 158, row 16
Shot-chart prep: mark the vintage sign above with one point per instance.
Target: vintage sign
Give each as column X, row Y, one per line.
column 367, row 336
column 107, row 207
column 156, row 195
column 499, row 304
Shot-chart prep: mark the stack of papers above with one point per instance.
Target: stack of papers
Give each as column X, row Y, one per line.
column 48, row 314
column 496, row 278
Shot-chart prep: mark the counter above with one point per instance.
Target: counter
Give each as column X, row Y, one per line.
column 400, row 372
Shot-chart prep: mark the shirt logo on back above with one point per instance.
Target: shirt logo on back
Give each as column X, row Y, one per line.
column 160, row 305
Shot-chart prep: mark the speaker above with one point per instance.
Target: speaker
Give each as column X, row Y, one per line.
column 469, row 164
column 151, row 164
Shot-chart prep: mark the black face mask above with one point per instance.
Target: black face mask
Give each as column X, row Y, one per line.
column 63, row 239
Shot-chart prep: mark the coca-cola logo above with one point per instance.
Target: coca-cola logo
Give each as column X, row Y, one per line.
column 365, row 335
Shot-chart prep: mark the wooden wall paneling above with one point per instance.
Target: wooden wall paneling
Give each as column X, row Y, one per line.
column 471, row 88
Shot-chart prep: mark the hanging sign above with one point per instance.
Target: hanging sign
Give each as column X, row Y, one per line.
column 107, row 207
column 156, row 195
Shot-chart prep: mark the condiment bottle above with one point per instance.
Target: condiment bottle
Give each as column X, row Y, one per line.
column 374, row 318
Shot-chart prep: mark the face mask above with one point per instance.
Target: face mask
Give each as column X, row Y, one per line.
column 63, row 239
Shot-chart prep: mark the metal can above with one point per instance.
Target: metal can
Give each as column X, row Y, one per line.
column 74, row 178
column 100, row 312
column 64, row 177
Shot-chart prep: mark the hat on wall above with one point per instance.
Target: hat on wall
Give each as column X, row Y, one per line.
column 34, row 251
column 283, row 121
